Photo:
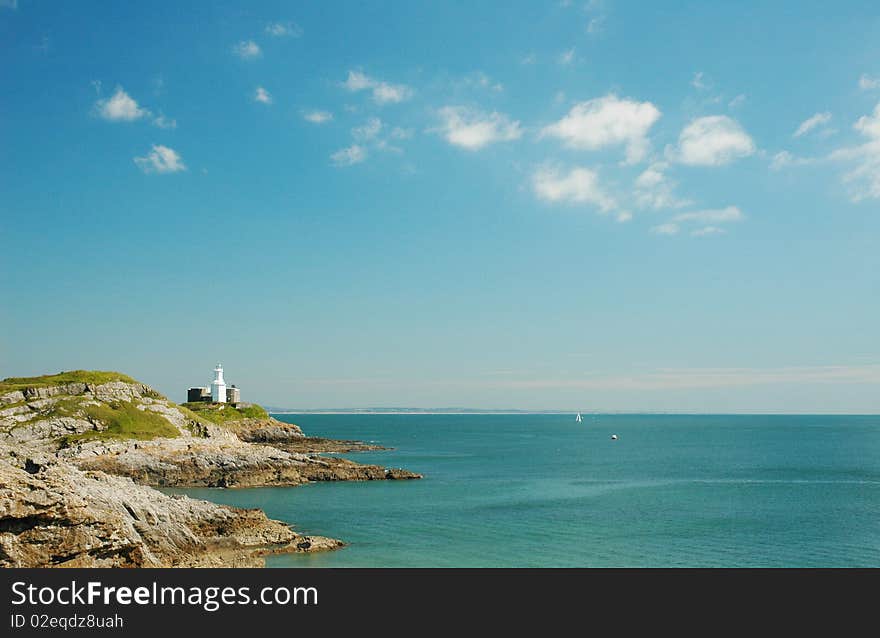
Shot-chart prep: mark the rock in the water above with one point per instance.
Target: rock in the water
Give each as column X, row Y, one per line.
column 269, row 430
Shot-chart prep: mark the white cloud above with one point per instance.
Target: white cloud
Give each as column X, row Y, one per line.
column 390, row 93
column 531, row 58
column 358, row 81
column 864, row 179
column 160, row 159
column 247, row 50
column 671, row 378
column 383, row 145
column 354, row 154
column 698, row 81
column 262, row 95
column 317, row 117
column 369, row 135
column 284, row 29
column 607, row 121
column 654, row 190
column 781, row 160
column 164, row 122
column 713, row 141
column 402, row 133
column 869, row 125
column 121, row 107
column 566, row 57
column 579, row 186
column 652, row 176
column 472, row 129
column 867, row 83
column 706, row 231
column 738, row 101
column 812, row 122
column 482, row 81
column 708, row 220
column 713, row 216
column 597, row 21
column 784, row 159
column 665, row 229
column 383, row 92
column 624, row 216
column 368, row 131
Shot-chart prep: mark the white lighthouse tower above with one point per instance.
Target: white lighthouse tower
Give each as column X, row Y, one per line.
column 218, row 386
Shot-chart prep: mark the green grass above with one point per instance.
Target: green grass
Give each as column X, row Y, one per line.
column 197, row 424
column 63, row 407
column 123, row 420
column 222, row 413
column 92, row 377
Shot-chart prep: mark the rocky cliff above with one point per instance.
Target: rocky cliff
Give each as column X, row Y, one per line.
column 53, row 514
column 77, row 451
column 129, row 429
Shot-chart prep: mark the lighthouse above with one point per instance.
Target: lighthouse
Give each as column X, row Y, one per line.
column 218, row 386
column 219, row 392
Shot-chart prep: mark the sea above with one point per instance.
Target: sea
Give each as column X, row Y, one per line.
column 542, row 490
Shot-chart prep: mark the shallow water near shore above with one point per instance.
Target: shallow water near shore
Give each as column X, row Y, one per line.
column 544, row 491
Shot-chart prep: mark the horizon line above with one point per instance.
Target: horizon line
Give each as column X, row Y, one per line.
column 513, row 411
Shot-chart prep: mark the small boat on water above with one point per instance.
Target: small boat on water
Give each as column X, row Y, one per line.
column 578, row 418
column 613, row 437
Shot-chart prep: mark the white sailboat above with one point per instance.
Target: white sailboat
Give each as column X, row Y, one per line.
column 578, row 418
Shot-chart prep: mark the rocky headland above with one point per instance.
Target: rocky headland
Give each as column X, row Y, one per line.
column 81, row 451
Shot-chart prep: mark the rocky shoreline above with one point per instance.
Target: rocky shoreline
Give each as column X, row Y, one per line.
column 74, row 493
column 220, row 460
column 290, row 437
column 53, row 514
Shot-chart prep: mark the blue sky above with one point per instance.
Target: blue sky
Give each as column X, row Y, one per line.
column 569, row 205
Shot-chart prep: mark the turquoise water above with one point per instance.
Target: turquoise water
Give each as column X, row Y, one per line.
column 544, row 491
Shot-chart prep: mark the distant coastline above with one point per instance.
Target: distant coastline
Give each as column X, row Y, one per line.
column 477, row 411
column 273, row 410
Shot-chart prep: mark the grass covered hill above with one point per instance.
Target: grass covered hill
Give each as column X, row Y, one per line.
column 83, row 405
column 90, row 377
column 223, row 412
